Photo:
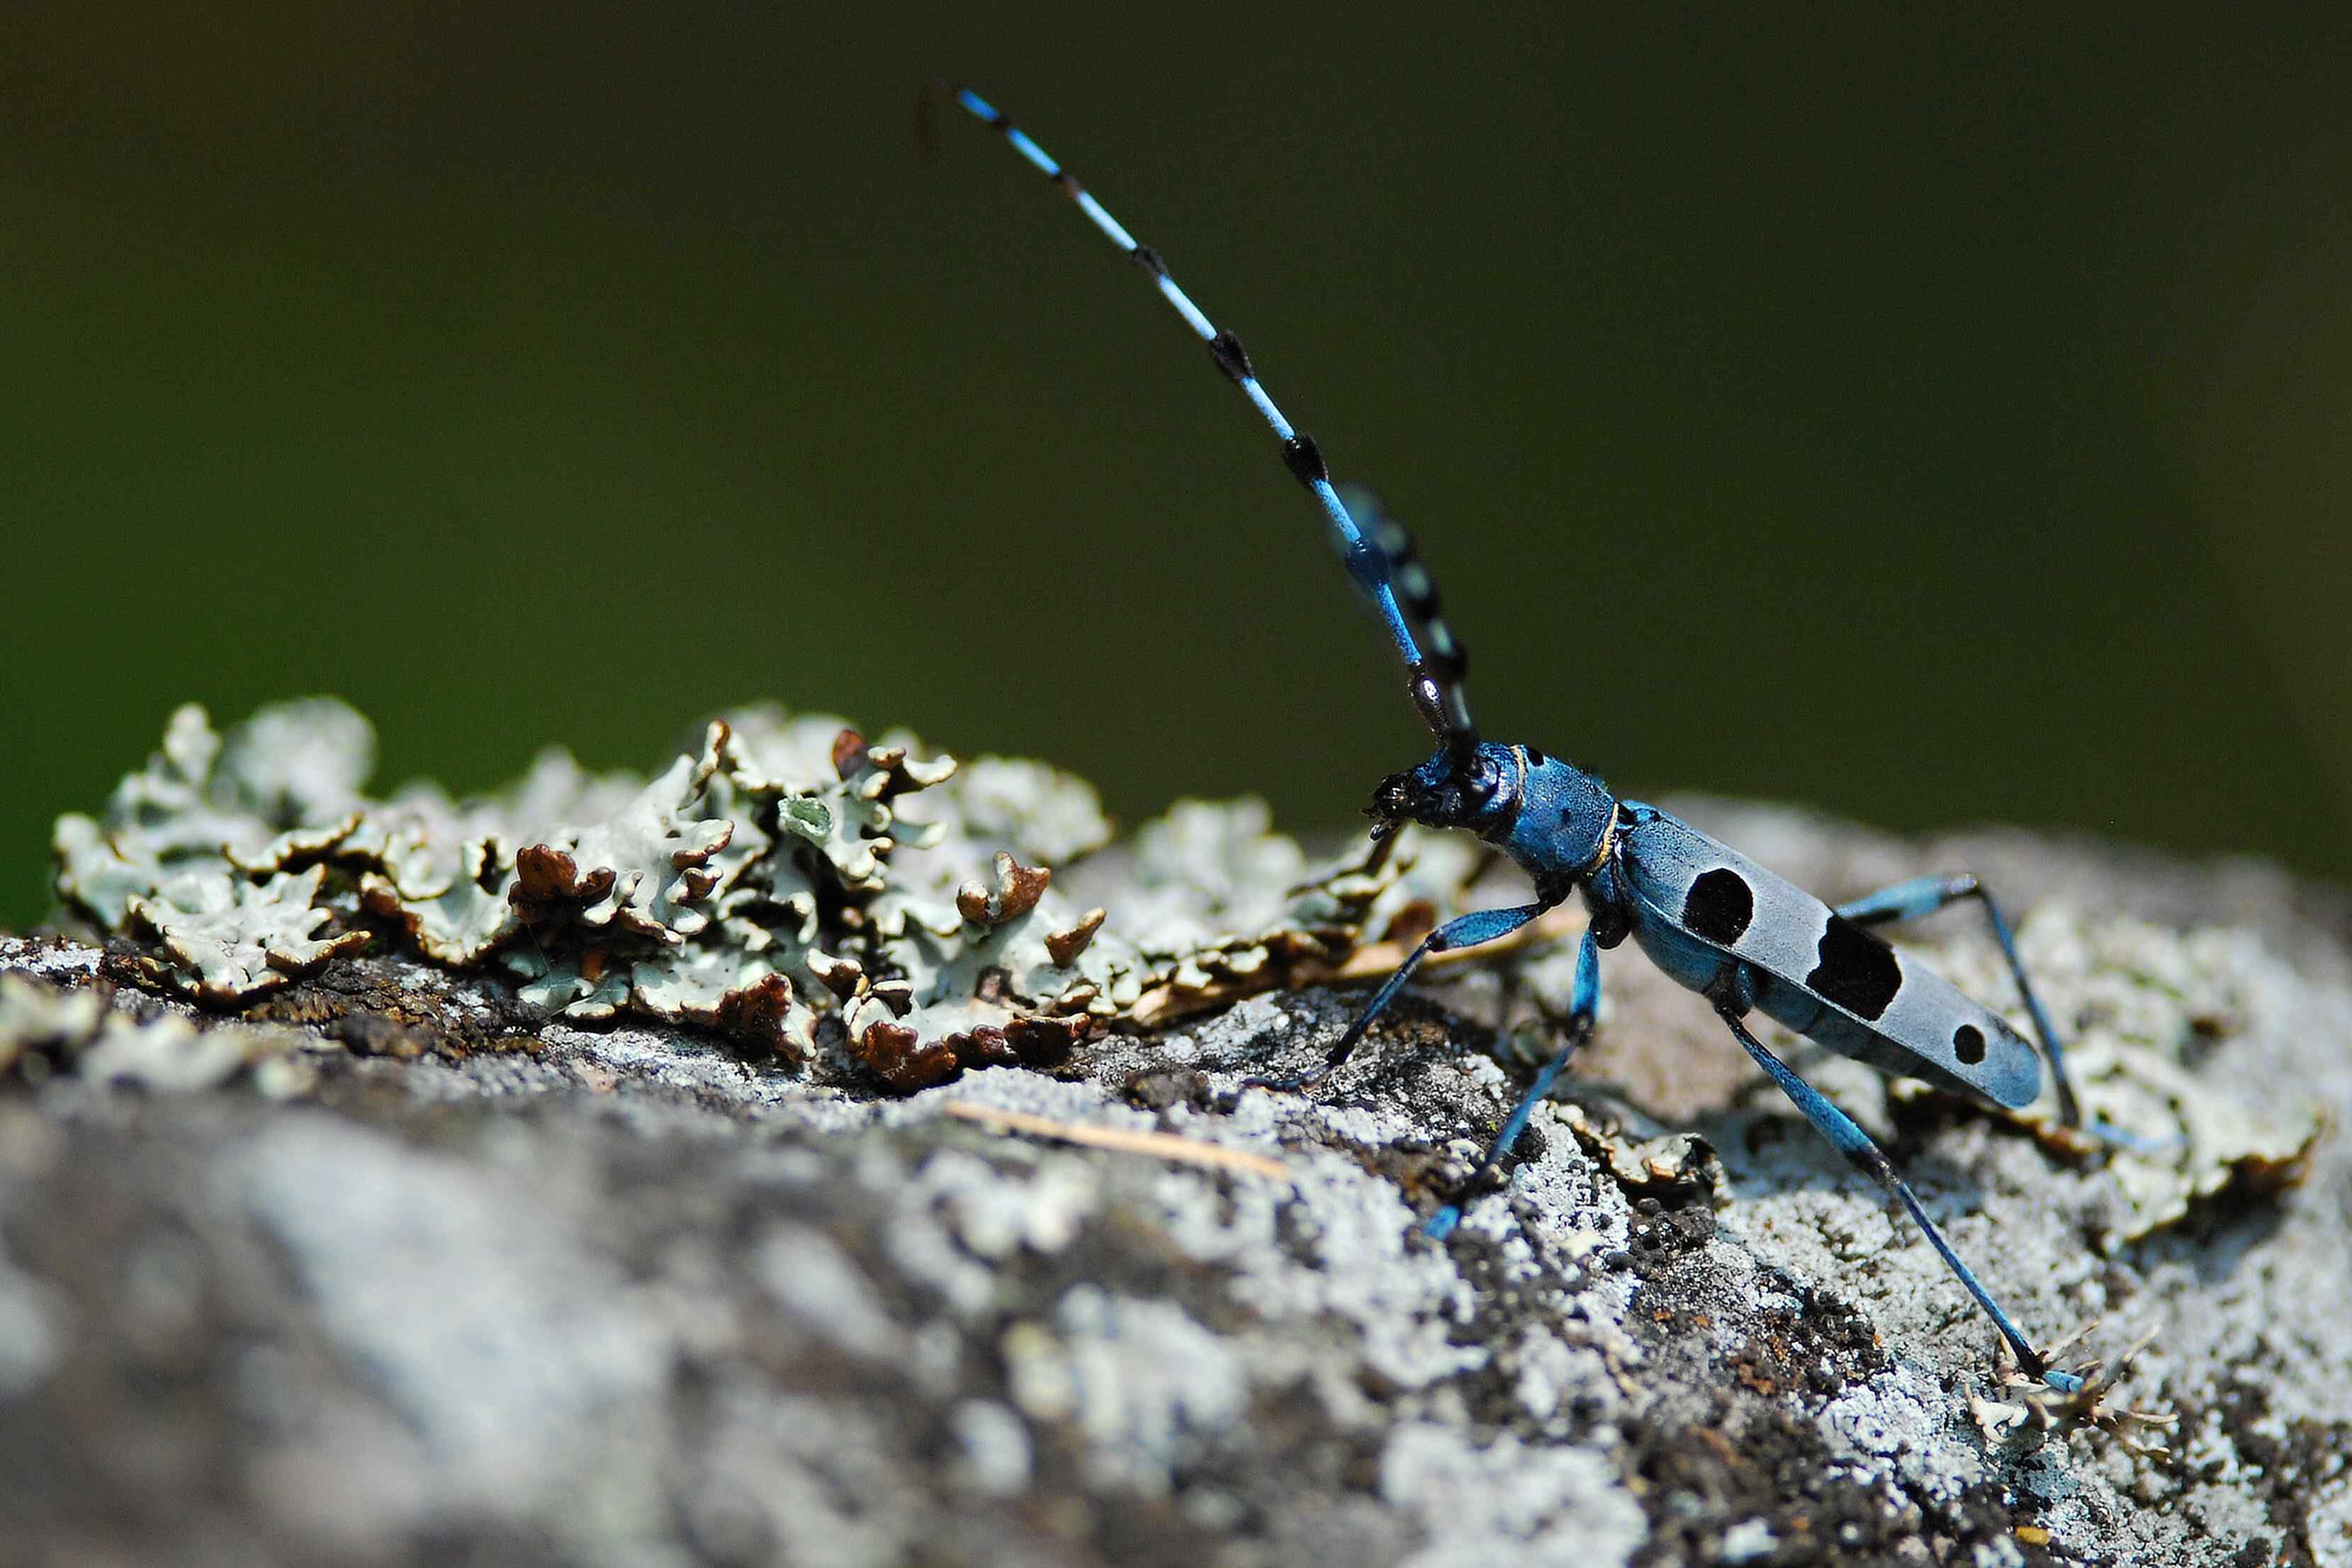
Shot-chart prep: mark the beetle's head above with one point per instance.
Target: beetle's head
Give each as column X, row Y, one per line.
column 1476, row 786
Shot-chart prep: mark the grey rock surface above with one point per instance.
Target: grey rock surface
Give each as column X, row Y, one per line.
column 475, row 1286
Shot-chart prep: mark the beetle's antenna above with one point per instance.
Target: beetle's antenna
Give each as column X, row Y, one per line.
column 1384, row 569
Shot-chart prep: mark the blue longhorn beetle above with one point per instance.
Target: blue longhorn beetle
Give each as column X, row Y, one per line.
column 1711, row 918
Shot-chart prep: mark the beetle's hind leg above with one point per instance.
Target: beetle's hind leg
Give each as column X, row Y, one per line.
column 1924, row 896
column 1856, row 1146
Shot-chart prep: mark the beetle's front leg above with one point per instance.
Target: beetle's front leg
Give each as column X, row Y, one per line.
column 1480, row 925
column 1583, row 1008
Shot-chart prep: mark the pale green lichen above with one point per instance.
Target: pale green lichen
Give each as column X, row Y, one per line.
column 1230, row 907
column 784, row 874
column 642, row 872
column 200, row 853
column 181, row 813
column 2144, row 1002
column 1031, row 811
column 45, row 1031
column 231, row 937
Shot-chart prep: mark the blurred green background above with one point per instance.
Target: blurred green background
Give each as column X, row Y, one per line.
column 1931, row 419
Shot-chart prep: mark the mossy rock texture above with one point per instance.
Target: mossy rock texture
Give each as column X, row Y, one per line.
column 395, row 1252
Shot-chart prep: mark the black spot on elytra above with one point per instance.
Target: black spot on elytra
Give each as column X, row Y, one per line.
column 1857, row 971
column 1718, row 907
column 1969, row 1044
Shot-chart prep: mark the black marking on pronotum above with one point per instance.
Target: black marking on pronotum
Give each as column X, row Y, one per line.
column 1718, row 907
column 1857, row 971
column 1305, row 461
column 1969, row 1044
column 1149, row 260
column 1231, row 356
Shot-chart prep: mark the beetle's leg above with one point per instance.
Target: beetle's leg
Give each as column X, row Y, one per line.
column 1463, row 930
column 1856, row 1146
column 1584, row 1004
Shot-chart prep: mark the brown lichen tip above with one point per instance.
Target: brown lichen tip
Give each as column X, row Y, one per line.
column 1012, row 891
column 1064, row 946
column 902, row 1057
column 547, row 877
